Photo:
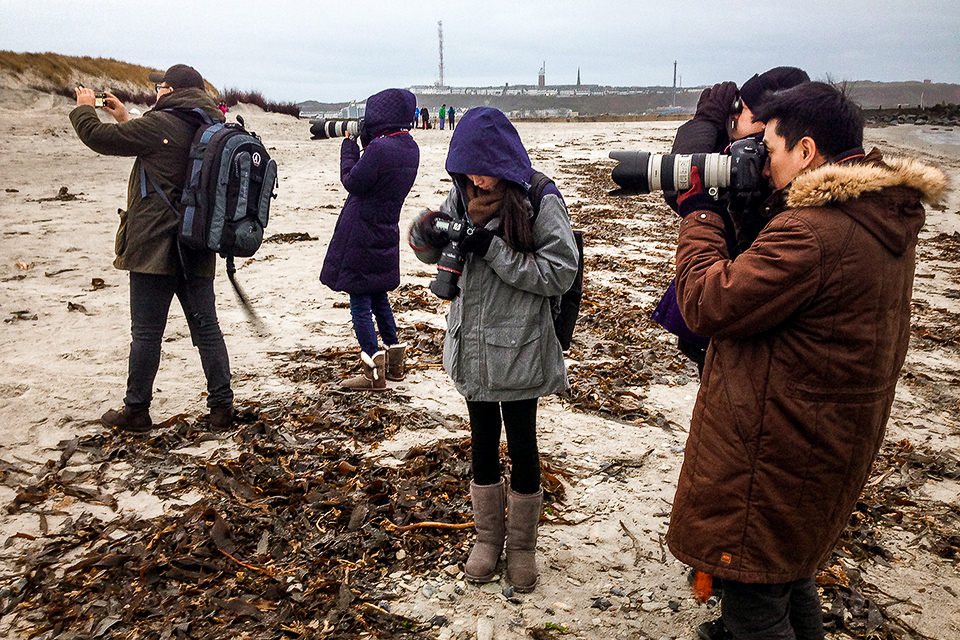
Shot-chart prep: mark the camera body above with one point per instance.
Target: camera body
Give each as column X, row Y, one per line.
column 450, row 265
column 741, row 171
column 99, row 99
column 322, row 129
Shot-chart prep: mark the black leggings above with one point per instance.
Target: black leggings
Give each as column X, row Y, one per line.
column 520, row 423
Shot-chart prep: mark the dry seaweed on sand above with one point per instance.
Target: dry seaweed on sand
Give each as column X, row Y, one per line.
column 618, row 350
column 291, row 536
column 890, row 505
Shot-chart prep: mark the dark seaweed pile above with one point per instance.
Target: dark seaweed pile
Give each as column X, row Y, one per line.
column 289, row 538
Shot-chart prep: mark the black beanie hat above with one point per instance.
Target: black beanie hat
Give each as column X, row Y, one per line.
column 179, row 76
column 754, row 91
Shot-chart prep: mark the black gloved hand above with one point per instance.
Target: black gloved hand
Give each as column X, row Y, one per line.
column 424, row 232
column 476, row 240
column 716, row 103
column 694, row 198
column 470, row 237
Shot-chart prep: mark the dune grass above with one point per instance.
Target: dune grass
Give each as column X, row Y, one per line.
column 56, row 73
column 234, row 96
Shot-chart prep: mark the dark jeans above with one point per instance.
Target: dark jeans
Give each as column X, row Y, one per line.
column 789, row 611
column 150, row 297
column 520, row 423
column 363, row 307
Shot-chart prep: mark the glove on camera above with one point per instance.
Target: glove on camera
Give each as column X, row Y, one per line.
column 470, row 237
column 716, row 103
column 424, row 229
column 694, row 198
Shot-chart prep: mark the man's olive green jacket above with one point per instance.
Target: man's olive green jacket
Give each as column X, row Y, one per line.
column 160, row 142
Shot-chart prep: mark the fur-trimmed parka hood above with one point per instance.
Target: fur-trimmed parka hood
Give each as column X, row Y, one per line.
column 840, row 182
column 885, row 196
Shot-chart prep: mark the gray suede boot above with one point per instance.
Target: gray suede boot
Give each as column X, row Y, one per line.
column 489, row 504
column 523, row 517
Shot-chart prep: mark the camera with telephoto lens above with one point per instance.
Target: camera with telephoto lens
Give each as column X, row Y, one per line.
column 321, row 129
column 450, row 264
column 741, row 171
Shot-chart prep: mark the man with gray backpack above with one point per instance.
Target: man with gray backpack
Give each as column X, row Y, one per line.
column 147, row 243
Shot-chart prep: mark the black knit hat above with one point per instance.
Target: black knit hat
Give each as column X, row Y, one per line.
column 179, row 76
column 755, row 91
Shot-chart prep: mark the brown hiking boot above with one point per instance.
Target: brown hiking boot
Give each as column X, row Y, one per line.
column 373, row 377
column 395, row 369
column 220, row 418
column 135, row 421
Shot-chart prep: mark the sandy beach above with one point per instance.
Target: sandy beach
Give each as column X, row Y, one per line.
column 65, row 336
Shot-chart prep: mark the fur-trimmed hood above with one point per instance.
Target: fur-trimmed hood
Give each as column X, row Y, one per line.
column 841, row 182
column 885, row 196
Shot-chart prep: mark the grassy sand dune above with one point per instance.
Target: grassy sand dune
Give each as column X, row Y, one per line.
column 60, row 74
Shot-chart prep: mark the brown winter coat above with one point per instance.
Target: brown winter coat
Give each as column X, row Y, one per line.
column 809, row 329
column 161, row 143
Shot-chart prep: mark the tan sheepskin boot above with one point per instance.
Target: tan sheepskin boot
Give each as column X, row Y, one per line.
column 395, row 353
column 373, row 376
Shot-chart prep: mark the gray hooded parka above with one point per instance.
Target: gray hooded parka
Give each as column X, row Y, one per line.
column 500, row 343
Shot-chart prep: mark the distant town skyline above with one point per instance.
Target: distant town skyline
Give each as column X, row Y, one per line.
column 296, row 51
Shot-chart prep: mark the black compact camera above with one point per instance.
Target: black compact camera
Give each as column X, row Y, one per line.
column 322, row 129
column 450, row 264
column 741, row 171
column 99, row 99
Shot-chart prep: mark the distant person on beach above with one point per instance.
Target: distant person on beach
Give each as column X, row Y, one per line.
column 501, row 349
column 416, row 118
column 147, row 244
column 450, row 115
column 363, row 258
column 808, row 328
column 723, row 115
column 425, row 116
column 223, row 107
column 442, row 115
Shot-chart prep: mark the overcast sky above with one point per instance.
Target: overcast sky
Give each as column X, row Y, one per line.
column 338, row 51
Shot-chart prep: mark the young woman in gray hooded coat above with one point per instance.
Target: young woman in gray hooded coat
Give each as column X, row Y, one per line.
column 501, row 349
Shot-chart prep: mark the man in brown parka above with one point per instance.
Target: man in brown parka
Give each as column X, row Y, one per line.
column 809, row 330
column 147, row 246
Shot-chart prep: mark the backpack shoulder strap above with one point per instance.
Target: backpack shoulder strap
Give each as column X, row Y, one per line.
column 196, row 116
column 538, row 183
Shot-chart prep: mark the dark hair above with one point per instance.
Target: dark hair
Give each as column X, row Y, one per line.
column 515, row 218
column 817, row 110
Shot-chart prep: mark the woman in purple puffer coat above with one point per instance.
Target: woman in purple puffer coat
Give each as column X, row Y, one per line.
column 363, row 258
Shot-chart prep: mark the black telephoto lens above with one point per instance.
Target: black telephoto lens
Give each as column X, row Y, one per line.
column 631, row 175
column 449, row 268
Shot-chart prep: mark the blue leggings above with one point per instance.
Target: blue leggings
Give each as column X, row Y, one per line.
column 363, row 308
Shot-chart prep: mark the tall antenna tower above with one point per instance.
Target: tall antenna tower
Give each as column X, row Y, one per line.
column 440, row 35
column 674, row 83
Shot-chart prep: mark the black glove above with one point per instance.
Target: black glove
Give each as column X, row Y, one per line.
column 694, row 198
column 716, row 103
column 476, row 240
column 470, row 237
column 424, row 230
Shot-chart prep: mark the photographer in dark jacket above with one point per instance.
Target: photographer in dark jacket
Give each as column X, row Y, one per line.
column 147, row 246
column 724, row 115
